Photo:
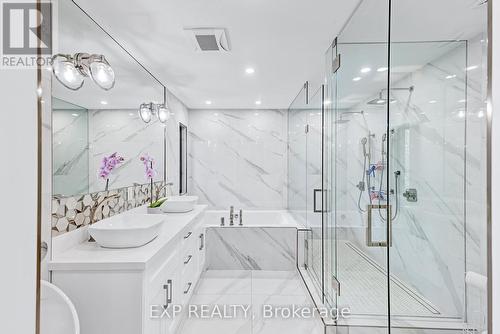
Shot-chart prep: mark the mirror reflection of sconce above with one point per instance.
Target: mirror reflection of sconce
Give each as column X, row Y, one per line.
column 148, row 110
column 71, row 71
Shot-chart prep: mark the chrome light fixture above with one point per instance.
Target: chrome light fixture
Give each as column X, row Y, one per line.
column 71, row 71
column 148, row 110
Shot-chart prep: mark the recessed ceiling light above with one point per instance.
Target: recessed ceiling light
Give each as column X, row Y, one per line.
column 208, row 102
column 451, row 76
column 382, row 69
column 104, row 102
column 365, row 70
column 356, row 79
column 258, row 102
column 432, row 101
column 250, row 70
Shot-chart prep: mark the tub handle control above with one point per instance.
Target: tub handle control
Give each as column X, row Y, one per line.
column 188, row 235
column 188, row 259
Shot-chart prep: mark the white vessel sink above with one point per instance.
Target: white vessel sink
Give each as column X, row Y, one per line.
column 126, row 231
column 179, row 204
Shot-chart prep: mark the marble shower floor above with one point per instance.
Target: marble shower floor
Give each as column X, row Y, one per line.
column 255, row 289
column 364, row 287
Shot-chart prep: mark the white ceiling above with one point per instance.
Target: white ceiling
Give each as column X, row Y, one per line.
column 284, row 40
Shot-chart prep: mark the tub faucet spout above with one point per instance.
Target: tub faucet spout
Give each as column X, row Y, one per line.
column 231, row 215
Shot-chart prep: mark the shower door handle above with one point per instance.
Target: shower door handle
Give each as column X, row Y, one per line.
column 315, row 201
column 369, row 230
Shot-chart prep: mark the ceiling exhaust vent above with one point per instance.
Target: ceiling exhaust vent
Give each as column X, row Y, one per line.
column 209, row 39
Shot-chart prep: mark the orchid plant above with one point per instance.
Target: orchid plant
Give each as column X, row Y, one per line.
column 149, row 173
column 148, row 164
column 107, row 165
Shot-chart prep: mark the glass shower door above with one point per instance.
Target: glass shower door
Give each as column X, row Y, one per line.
column 357, row 233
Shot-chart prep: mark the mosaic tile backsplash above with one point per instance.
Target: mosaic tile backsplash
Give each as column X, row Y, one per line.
column 70, row 213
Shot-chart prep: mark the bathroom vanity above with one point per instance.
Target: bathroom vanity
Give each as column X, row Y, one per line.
column 126, row 290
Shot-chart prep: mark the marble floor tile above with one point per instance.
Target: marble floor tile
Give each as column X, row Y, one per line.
column 282, row 322
column 277, row 283
column 254, row 289
column 221, row 282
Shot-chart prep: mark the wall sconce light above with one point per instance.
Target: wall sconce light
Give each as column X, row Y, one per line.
column 71, row 71
column 148, row 110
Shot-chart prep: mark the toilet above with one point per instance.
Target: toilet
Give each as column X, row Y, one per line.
column 57, row 312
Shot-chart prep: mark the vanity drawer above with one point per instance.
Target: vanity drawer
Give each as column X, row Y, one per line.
column 163, row 288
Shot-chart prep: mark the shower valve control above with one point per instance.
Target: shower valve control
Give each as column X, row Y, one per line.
column 411, row 195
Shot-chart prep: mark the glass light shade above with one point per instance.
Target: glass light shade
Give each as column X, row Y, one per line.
column 163, row 113
column 66, row 73
column 145, row 112
column 102, row 74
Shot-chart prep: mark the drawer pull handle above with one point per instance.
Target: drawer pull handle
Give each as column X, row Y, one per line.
column 202, row 242
column 188, row 259
column 168, row 293
column 188, row 235
column 188, row 288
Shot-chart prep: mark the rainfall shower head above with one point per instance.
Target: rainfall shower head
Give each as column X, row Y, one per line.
column 342, row 120
column 381, row 100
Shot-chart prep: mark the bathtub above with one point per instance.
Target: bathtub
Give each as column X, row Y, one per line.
column 252, row 218
column 235, row 247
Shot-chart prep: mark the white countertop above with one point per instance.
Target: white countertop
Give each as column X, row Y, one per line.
column 90, row 256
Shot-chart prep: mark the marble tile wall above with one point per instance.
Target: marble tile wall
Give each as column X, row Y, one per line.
column 70, row 213
column 124, row 132
column 70, row 149
column 234, row 248
column 238, row 157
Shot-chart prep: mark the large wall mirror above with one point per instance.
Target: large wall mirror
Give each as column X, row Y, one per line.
column 91, row 123
column 102, row 145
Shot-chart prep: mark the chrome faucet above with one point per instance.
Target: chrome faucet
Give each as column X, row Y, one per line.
column 231, row 215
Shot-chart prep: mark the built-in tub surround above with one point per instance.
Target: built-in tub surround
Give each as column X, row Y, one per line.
column 266, row 241
column 238, row 157
column 71, row 213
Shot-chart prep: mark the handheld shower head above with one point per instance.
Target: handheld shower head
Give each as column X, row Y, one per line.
column 364, row 140
column 384, row 137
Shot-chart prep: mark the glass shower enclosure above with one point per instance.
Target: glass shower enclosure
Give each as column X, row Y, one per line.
column 387, row 169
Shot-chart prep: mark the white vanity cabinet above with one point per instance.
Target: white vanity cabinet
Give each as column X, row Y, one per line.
column 125, row 291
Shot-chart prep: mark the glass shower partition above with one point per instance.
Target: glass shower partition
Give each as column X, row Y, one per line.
column 396, row 219
column 305, row 123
